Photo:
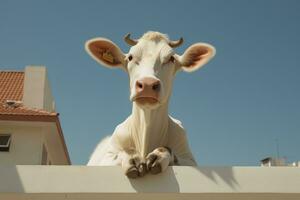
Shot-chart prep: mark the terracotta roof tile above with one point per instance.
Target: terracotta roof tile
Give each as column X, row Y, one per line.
column 22, row 110
column 11, row 88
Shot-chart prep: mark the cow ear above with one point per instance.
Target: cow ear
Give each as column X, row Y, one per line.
column 196, row 56
column 105, row 52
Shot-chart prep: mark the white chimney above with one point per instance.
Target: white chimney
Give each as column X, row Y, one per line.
column 37, row 92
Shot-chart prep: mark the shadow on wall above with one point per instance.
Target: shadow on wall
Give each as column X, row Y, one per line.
column 163, row 183
column 167, row 182
column 10, row 180
column 224, row 173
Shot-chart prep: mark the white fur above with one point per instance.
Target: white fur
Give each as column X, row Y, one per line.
column 100, row 151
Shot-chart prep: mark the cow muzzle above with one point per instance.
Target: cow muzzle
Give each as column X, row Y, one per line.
column 147, row 91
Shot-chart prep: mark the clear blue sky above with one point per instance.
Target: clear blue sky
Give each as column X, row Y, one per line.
column 233, row 109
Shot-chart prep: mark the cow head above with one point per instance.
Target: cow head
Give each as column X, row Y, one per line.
column 151, row 64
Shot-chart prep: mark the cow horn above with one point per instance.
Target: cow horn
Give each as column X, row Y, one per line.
column 130, row 41
column 176, row 43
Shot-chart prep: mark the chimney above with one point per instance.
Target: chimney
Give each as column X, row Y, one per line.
column 37, row 92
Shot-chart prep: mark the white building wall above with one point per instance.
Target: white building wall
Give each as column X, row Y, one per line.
column 27, row 143
column 180, row 183
column 37, row 92
column 54, row 145
column 25, row 148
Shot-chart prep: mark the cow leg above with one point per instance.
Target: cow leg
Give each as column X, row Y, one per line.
column 158, row 160
column 134, row 166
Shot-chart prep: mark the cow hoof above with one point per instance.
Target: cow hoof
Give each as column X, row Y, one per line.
column 132, row 172
column 156, row 169
column 142, row 168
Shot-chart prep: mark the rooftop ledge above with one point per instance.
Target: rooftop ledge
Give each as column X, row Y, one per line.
column 81, row 182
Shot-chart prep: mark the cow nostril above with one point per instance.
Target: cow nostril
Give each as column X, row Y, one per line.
column 139, row 85
column 156, row 87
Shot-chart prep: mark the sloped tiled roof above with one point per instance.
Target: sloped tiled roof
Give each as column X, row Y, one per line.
column 11, row 88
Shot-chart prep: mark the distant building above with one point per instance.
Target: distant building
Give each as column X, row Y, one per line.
column 30, row 130
column 270, row 161
column 273, row 162
column 294, row 164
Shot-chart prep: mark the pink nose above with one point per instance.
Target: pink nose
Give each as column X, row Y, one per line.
column 147, row 87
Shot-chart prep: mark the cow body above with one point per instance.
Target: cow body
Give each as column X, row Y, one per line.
column 149, row 140
column 140, row 134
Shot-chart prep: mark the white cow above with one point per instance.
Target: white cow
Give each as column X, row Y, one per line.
column 149, row 140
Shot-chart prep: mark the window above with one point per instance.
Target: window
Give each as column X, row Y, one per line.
column 5, row 142
column 44, row 156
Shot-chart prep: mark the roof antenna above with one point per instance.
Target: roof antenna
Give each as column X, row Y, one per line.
column 277, row 147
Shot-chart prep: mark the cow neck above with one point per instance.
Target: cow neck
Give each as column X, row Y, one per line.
column 149, row 128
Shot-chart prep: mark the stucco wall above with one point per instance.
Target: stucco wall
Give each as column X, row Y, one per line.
column 54, row 145
column 37, row 92
column 25, row 148
column 213, row 183
column 27, row 143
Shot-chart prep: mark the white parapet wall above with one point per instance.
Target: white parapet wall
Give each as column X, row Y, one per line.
column 203, row 183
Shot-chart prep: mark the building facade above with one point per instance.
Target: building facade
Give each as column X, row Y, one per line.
column 30, row 130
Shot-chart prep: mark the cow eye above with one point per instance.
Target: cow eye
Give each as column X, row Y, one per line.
column 130, row 57
column 172, row 59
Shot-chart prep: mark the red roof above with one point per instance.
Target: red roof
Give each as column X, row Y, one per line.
column 11, row 89
column 11, row 86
